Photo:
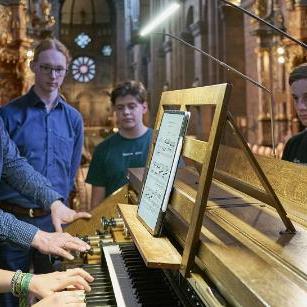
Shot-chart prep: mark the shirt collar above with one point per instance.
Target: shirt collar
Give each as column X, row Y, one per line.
column 34, row 99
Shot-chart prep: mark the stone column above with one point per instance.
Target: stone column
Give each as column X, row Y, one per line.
column 167, row 49
column 121, row 68
column 264, row 117
column 56, row 7
column 213, row 40
column 156, row 69
column 197, row 30
column 202, row 115
column 264, row 70
column 188, row 63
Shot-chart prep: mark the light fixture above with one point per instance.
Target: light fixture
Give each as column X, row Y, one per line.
column 280, row 50
column 236, row 2
column 30, row 54
column 281, row 59
column 160, row 18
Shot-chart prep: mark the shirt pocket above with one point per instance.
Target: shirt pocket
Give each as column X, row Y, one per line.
column 63, row 148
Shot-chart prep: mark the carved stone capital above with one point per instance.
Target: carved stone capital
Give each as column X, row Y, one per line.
column 197, row 28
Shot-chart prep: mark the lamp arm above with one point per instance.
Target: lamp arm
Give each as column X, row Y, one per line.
column 216, row 60
column 229, row 68
column 266, row 23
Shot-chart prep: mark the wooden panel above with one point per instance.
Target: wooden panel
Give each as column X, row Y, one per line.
column 243, row 186
column 194, row 149
column 107, row 208
column 267, row 259
column 289, row 180
column 119, row 236
column 135, row 176
column 183, row 198
column 241, row 248
column 194, row 96
column 156, row 252
column 204, row 290
column 206, row 95
column 185, row 189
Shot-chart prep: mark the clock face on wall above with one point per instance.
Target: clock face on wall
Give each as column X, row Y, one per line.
column 83, row 69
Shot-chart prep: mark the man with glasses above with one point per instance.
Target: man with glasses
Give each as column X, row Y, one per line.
column 126, row 149
column 296, row 148
column 49, row 134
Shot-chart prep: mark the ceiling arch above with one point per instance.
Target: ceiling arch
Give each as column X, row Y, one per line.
column 85, row 12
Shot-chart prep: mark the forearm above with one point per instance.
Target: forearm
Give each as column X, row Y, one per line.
column 5, row 280
column 30, row 183
column 23, row 178
column 98, row 195
column 16, row 231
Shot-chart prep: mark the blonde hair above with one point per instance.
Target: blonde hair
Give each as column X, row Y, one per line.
column 51, row 43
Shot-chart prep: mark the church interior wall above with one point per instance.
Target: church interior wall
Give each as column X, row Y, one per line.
column 161, row 63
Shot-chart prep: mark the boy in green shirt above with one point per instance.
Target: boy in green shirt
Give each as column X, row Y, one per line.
column 125, row 149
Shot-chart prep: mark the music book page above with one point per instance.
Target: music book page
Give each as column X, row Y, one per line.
column 162, row 169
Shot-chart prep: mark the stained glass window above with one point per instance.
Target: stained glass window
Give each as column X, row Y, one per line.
column 82, row 40
column 83, row 69
column 106, row 50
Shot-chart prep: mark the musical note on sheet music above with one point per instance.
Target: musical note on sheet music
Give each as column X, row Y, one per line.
column 162, row 163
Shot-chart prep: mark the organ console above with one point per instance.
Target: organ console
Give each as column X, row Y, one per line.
column 250, row 249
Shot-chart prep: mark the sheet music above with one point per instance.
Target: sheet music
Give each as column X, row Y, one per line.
column 154, row 195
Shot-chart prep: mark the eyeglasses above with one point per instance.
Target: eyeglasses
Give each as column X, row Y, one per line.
column 47, row 69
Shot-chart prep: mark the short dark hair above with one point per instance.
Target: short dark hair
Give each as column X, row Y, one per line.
column 299, row 72
column 133, row 88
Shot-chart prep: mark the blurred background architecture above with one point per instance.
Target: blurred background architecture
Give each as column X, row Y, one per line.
column 102, row 36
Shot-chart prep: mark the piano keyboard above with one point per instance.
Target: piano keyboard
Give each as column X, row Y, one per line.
column 123, row 280
column 102, row 293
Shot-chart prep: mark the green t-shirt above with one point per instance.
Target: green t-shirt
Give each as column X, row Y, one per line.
column 114, row 156
column 296, row 148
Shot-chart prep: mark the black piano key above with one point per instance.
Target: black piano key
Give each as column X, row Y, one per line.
column 150, row 286
column 99, row 302
column 102, row 293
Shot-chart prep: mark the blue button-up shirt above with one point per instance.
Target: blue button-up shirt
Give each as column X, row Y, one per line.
column 50, row 141
column 15, row 171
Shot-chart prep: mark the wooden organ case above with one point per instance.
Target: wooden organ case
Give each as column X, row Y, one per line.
column 234, row 233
